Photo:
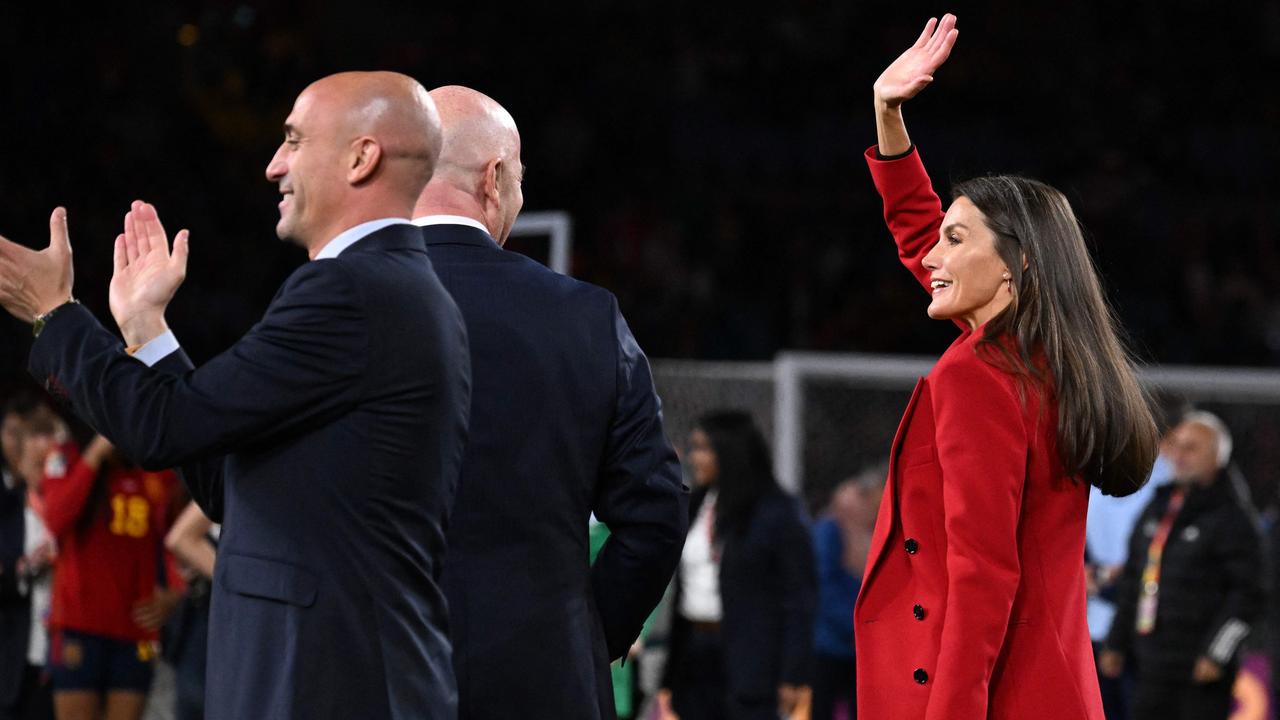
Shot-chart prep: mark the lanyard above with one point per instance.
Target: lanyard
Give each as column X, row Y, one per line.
column 1146, row 620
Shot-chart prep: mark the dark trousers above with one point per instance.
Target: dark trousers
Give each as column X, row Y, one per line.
column 834, row 679
column 699, row 690
column 35, row 700
column 1163, row 700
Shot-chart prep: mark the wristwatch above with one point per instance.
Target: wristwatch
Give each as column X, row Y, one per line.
column 42, row 320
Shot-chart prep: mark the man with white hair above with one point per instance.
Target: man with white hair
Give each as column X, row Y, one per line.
column 1192, row 588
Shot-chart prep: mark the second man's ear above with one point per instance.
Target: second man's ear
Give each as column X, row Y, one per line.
column 493, row 174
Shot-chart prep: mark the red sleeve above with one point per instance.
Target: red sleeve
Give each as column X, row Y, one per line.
column 982, row 447
column 912, row 209
column 65, row 488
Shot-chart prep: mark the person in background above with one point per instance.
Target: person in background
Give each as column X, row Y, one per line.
column 841, row 540
column 1192, row 588
column 191, row 540
column 26, row 554
column 742, row 632
column 1107, row 530
column 114, row 586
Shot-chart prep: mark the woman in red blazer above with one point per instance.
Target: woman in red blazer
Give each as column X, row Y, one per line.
column 973, row 605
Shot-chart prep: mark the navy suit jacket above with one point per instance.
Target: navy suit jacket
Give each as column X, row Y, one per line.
column 327, row 441
column 564, row 421
column 15, row 607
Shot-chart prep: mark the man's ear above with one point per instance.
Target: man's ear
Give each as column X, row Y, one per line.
column 492, row 180
column 365, row 156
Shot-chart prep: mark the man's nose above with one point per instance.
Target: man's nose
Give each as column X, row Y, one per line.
column 277, row 168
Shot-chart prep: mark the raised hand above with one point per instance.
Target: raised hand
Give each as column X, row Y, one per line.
column 146, row 274
column 33, row 283
column 913, row 70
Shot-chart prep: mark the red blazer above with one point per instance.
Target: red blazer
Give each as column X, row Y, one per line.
column 973, row 602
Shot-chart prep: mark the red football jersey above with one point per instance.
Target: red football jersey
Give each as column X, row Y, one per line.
column 109, row 556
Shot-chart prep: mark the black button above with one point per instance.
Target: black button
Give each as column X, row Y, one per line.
column 918, row 611
column 911, row 545
column 921, row 676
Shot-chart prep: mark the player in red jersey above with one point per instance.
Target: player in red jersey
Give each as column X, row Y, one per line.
column 109, row 519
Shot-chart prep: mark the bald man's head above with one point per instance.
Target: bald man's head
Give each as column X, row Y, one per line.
column 358, row 146
column 480, row 172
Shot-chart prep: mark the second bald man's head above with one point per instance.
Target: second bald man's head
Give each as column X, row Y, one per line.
column 358, row 146
column 480, row 173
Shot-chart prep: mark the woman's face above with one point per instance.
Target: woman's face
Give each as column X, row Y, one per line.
column 968, row 277
column 702, row 459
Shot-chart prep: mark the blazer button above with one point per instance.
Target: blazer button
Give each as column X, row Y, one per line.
column 912, row 546
column 921, row 676
column 918, row 611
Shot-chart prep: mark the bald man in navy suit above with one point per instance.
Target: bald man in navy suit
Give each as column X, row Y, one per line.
column 564, row 422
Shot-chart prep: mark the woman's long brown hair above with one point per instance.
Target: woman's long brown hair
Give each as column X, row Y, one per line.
column 1106, row 433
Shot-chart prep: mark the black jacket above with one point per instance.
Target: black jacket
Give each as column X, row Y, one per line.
column 565, row 422
column 1212, row 587
column 768, row 596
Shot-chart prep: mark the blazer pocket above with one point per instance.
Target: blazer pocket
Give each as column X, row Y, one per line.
column 268, row 579
column 916, row 455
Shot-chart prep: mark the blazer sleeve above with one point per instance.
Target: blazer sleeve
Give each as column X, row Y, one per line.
column 982, row 447
column 640, row 497
column 1239, row 553
column 202, row 476
column 912, row 209
column 797, row 578
column 302, row 365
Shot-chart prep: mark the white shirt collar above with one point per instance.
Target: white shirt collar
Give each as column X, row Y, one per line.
column 450, row 220
column 347, row 238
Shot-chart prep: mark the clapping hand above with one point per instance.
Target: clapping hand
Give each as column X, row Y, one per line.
column 34, row 282
column 146, row 274
column 913, row 70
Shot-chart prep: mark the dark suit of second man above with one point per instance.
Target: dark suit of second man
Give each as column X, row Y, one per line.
column 564, row 422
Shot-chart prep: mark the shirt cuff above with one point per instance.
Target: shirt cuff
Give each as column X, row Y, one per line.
column 158, row 349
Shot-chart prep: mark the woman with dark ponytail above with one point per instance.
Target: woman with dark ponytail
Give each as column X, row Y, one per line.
column 745, row 589
column 973, row 602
